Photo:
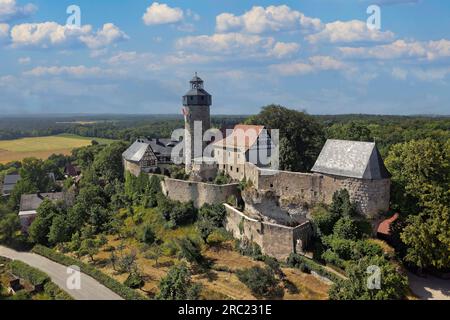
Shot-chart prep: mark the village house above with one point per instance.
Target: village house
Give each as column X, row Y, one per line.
column 245, row 144
column 9, row 182
column 29, row 203
column 149, row 155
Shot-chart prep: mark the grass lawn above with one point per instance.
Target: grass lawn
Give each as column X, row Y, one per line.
column 43, row 147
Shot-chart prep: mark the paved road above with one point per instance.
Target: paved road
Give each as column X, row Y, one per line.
column 91, row 289
column 429, row 288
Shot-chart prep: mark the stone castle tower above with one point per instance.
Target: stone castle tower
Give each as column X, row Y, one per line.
column 197, row 103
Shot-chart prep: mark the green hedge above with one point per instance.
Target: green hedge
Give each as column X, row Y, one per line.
column 107, row 281
column 55, row 292
column 296, row 260
column 24, row 271
column 36, row 278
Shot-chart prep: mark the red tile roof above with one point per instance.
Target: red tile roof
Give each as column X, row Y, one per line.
column 385, row 226
column 243, row 136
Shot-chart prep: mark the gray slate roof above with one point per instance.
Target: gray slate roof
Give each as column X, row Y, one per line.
column 352, row 159
column 136, row 151
column 160, row 147
column 9, row 182
column 30, row 202
column 11, row 179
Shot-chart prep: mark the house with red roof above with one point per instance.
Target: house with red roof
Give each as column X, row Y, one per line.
column 244, row 144
column 384, row 230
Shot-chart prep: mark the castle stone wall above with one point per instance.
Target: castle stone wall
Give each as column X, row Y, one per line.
column 371, row 196
column 198, row 192
column 275, row 240
column 133, row 168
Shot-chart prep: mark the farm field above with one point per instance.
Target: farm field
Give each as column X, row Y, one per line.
column 43, row 147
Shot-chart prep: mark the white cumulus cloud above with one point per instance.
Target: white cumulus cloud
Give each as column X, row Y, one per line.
column 272, row 18
column 312, row 65
column 238, row 44
column 107, row 35
column 430, row 50
column 4, row 30
column 349, row 31
column 9, row 10
column 52, row 34
column 80, row 71
column 284, row 49
column 161, row 13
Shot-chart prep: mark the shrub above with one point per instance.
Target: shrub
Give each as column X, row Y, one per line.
column 177, row 213
column 177, row 285
column 290, row 287
column 107, row 281
column 346, row 228
column 323, row 220
column 55, row 292
column 332, row 258
column 21, row 295
column 249, row 249
column 134, row 281
column 261, row 281
column 222, row 178
column 24, row 271
column 214, row 213
column 342, row 206
column 148, row 235
column 304, row 268
column 218, row 237
column 393, row 285
column 191, row 251
column 295, row 260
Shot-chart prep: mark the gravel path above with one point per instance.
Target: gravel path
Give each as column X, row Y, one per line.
column 90, row 289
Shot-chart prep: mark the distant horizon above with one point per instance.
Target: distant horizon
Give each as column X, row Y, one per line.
column 325, row 57
column 55, row 115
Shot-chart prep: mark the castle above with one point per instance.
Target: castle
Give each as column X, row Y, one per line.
column 277, row 203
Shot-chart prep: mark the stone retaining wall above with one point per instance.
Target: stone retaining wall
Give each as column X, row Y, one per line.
column 275, row 240
column 198, row 192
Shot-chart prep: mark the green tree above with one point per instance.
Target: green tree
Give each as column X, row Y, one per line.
column 301, row 136
column 421, row 184
column 177, row 285
column 155, row 252
column 419, row 168
column 9, row 225
column 40, row 228
column 393, row 285
column 214, row 213
column 427, row 238
column 89, row 247
column 191, row 251
column 148, row 235
column 261, row 281
column 352, row 131
column 108, row 163
column 324, row 220
column 59, row 230
column 346, row 228
column 342, row 206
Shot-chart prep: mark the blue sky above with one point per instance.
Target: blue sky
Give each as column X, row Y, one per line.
column 138, row 56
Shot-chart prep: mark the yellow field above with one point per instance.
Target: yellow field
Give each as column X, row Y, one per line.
column 42, row 147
